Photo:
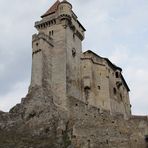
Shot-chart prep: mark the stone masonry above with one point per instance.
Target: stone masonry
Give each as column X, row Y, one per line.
column 76, row 99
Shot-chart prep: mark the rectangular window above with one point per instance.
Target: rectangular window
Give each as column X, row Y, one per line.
column 51, row 33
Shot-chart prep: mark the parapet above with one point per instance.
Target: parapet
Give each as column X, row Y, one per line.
column 43, row 36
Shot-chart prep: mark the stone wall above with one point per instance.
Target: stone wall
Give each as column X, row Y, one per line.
column 104, row 89
column 38, row 123
column 96, row 128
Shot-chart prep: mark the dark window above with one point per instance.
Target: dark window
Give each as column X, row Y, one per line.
column 117, row 74
column 51, row 33
column 146, row 138
column 73, row 52
column 121, row 97
column 115, row 91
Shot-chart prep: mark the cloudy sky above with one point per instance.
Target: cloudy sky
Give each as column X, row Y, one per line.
column 117, row 29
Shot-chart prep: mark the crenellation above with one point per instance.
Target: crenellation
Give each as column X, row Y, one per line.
column 35, row 52
column 43, row 36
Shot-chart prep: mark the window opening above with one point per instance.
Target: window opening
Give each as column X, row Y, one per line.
column 115, row 91
column 117, row 75
column 51, row 33
column 99, row 87
column 73, row 52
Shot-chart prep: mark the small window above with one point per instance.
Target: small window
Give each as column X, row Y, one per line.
column 46, row 24
column 37, row 44
column 146, row 138
column 51, row 33
column 115, row 91
column 49, row 23
column 99, row 87
column 74, row 36
column 73, row 52
column 117, row 74
column 121, row 97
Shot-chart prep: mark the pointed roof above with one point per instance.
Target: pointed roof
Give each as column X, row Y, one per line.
column 52, row 9
column 65, row 1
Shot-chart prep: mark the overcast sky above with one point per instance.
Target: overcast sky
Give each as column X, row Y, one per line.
column 116, row 29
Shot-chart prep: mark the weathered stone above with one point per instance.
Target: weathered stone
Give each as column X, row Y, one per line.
column 75, row 99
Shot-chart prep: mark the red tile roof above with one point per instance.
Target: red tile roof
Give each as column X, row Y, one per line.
column 52, row 9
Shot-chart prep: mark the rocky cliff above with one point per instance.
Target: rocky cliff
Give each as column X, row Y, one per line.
column 38, row 123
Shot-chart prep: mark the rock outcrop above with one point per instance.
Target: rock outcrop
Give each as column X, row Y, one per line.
column 38, row 123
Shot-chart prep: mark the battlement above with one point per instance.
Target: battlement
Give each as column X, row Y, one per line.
column 136, row 117
column 43, row 36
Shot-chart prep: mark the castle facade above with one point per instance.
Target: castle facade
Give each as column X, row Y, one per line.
column 76, row 99
column 70, row 72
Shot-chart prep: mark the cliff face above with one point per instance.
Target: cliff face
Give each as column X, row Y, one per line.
column 38, row 123
column 33, row 123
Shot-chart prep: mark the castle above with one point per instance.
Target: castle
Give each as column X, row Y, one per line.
column 71, row 73
column 75, row 99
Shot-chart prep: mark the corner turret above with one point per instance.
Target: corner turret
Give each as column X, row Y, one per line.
column 65, row 9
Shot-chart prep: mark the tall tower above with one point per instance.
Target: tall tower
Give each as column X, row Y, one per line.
column 56, row 52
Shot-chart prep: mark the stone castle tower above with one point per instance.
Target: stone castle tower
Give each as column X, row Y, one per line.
column 58, row 60
column 58, row 46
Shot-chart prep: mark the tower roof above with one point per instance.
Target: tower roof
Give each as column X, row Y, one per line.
column 65, row 1
column 52, row 9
